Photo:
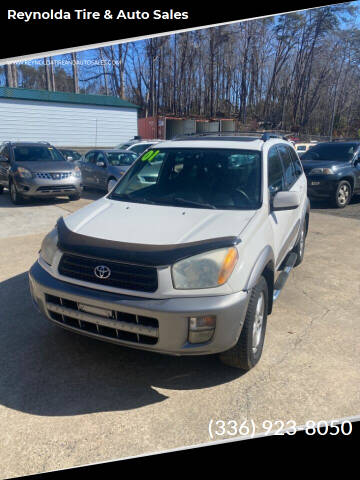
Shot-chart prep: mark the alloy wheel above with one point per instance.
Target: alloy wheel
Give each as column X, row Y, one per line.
column 343, row 194
column 258, row 322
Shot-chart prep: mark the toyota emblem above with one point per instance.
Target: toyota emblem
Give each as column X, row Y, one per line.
column 102, row 271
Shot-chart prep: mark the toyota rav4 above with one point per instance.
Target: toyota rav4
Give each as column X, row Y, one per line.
column 187, row 252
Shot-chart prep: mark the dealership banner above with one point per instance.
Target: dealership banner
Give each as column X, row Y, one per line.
column 160, row 170
column 32, row 31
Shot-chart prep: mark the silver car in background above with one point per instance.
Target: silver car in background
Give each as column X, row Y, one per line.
column 103, row 168
column 37, row 170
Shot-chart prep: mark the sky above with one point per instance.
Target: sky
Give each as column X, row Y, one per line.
column 87, row 58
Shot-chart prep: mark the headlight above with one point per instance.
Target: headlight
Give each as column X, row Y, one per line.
column 49, row 246
column 76, row 172
column 321, row 171
column 24, row 172
column 205, row 270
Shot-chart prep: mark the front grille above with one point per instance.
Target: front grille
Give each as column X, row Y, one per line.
column 123, row 275
column 111, row 324
column 53, row 175
column 56, row 188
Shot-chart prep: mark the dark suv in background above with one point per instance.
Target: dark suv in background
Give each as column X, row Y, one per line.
column 333, row 171
column 37, row 170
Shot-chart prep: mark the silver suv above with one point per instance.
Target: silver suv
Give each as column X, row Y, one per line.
column 36, row 170
column 188, row 263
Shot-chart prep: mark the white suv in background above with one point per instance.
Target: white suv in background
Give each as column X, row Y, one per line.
column 189, row 263
column 138, row 146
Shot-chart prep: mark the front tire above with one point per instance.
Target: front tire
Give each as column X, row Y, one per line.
column 1, row 189
column 247, row 352
column 111, row 183
column 76, row 196
column 342, row 194
column 15, row 196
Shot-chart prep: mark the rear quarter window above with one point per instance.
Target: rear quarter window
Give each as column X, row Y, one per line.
column 275, row 171
column 289, row 171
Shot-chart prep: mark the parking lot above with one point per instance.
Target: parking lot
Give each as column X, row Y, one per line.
column 68, row 400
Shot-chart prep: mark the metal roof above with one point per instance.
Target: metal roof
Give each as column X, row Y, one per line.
column 64, row 97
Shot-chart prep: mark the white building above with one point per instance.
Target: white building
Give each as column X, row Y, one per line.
column 65, row 119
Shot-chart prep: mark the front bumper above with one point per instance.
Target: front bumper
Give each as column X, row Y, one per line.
column 321, row 186
column 43, row 187
column 165, row 321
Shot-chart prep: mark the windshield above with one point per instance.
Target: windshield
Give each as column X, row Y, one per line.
column 334, row 151
column 116, row 159
column 195, row 178
column 30, row 153
column 140, row 148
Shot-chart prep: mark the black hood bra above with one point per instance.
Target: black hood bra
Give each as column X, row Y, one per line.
column 137, row 253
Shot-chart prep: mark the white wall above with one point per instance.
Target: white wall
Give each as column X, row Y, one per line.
column 65, row 124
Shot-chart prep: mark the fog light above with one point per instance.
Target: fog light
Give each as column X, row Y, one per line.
column 201, row 329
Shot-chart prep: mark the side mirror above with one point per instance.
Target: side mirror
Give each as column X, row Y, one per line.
column 4, row 159
column 285, row 201
column 100, row 164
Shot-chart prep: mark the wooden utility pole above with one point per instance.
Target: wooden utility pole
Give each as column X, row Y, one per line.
column 75, row 72
column 8, row 76
column 14, row 74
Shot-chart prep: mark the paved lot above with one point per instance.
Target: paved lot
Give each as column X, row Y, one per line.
column 351, row 211
column 68, row 400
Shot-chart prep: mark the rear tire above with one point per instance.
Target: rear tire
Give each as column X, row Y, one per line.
column 111, row 183
column 343, row 194
column 15, row 196
column 247, row 352
column 299, row 248
column 74, row 197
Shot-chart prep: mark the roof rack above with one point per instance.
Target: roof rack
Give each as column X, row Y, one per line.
column 24, row 141
column 242, row 136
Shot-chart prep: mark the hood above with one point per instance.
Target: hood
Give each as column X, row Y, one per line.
column 310, row 164
column 50, row 166
column 155, row 225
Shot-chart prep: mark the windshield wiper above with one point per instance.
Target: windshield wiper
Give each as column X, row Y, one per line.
column 129, row 198
column 195, row 204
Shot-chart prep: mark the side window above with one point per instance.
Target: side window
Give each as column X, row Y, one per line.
column 275, row 171
column 100, row 157
column 4, row 151
column 89, row 157
column 289, row 172
column 296, row 162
